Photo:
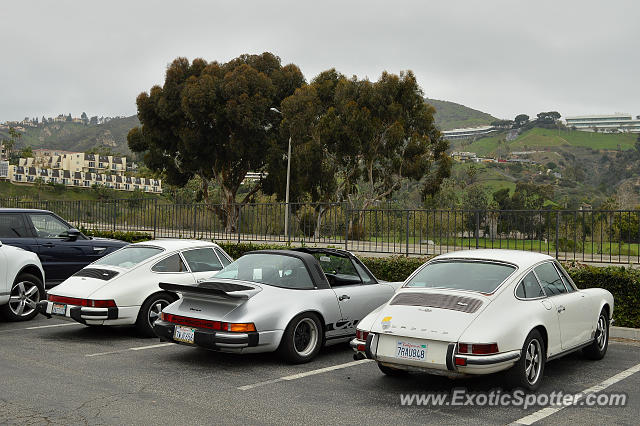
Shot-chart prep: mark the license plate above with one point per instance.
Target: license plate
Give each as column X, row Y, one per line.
column 184, row 334
column 411, row 351
column 59, row 309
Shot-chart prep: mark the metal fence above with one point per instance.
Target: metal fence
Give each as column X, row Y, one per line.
column 604, row 236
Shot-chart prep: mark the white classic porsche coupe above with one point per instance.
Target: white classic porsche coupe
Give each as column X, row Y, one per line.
column 122, row 287
column 484, row 311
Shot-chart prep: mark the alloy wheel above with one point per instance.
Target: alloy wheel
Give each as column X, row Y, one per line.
column 155, row 309
column 305, row 337
column 533, row 361
column 601, row 332
column 24, row 298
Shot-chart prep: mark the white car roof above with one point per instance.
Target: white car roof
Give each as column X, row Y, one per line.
column 521, row 258
column 176, row 244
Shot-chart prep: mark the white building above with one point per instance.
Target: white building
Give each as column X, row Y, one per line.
column 605, row 123
column 468, row 133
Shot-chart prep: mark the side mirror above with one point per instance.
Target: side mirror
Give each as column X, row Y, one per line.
column 0, row 243
column 73, row 234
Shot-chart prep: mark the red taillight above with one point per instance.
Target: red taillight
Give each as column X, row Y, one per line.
column 478, row 348
column 89, row 303
column 211, row 325
column 362, row 335
column 461, row 361
column 361, row 348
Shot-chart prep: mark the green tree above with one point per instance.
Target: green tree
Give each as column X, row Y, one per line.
column 213, row 120
column 521, row 119
column 27, row 152
column 68, row 119
column 10, row 144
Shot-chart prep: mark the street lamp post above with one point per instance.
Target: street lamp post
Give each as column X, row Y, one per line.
column 286, row 196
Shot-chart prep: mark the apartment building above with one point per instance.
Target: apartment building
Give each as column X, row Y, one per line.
column 81, row 179
column 75, row 161
column 605, row 123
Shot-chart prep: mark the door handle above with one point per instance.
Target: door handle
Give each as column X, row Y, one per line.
column 201, row 280
column 561, row 308
column 48, row 245
column 343, row 297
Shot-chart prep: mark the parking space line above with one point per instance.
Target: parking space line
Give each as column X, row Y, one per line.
column 546, row 412
column 137, row 348
column 305, row 374
column 53, row 325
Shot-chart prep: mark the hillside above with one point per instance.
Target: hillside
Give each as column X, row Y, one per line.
column 78, row 137
column 450, row 115
column 550, row 139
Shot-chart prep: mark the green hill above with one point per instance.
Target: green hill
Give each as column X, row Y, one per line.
column 540, row 138
column 450, row 115
column 78, row 137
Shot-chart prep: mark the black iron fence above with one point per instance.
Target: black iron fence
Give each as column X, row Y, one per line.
column 607, row 236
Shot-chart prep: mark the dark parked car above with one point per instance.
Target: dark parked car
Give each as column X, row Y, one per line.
column 62, row 249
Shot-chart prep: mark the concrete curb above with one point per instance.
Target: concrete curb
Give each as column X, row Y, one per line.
column 625, row 333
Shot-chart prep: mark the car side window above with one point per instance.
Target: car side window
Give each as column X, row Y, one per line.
column 549, row 279
column 338, row 269
column 12, row 226
column 172, row 263
column 529, row 288
column 202, row 260
column 224, row 259
column 568, row 282
column 48, row 226
column 366, row 278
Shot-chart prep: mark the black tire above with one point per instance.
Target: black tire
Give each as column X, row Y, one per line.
column 528, row 371
column 302, row 339
column 150, row 312
column 597, row 350
column 390, row 371
column 26, row 291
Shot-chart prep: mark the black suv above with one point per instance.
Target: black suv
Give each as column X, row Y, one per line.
column 62, row 249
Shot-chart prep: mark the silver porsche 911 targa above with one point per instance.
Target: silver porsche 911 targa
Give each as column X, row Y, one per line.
column 292, row 301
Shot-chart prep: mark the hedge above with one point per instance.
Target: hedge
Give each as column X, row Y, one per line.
column 623, row 283
column 128, row 236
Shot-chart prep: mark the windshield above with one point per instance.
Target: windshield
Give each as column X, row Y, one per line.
column 128, row 257
column 483, row 277
column 272, row 269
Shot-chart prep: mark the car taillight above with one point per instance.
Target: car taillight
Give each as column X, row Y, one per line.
column 234, row 327
column 89, row 303
column 362, row 335
column 478, row 348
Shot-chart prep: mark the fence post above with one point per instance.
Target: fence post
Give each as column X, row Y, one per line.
column 195, row 205
column 239, row 221
column 407, row 236
column 155, row 217
column 477, row 230
column 115, row 216
column 288, row 207
column 557, row 231
column 346, row 226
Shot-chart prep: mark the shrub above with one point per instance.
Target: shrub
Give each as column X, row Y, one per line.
column 393, row 268
column 623, row 283
column 128, row 236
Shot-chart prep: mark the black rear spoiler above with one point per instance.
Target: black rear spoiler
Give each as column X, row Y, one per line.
column 220, row 289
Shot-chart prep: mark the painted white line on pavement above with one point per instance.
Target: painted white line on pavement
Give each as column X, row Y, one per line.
column 305, row 374
column 138, row 348
column 53, row 325
column 546, row 412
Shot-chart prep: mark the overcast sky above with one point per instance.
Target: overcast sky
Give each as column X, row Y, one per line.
column 501, row 57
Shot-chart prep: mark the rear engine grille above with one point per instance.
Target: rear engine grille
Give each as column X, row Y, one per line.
column 442, row 301
column 226, row 287
column 101, row 274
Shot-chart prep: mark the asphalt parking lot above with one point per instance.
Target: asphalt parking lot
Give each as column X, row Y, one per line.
column 58, row 372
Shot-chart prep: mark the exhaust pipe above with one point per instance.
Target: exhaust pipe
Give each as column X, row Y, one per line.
column 358, row 356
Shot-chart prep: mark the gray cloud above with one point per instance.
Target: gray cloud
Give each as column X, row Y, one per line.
column 502, row 57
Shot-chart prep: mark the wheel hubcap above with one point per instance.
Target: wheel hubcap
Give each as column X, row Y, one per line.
column 305, row 337
column 155, row 310
column 533, row 361
column 601, row 333
column 24, row 297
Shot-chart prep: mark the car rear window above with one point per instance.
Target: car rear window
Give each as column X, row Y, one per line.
column 129, row 256
column 272, row 269
column 483, row 277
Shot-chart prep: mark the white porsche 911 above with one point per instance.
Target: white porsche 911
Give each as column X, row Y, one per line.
column 122, row 287
column 21, row 283
column 484, row 311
